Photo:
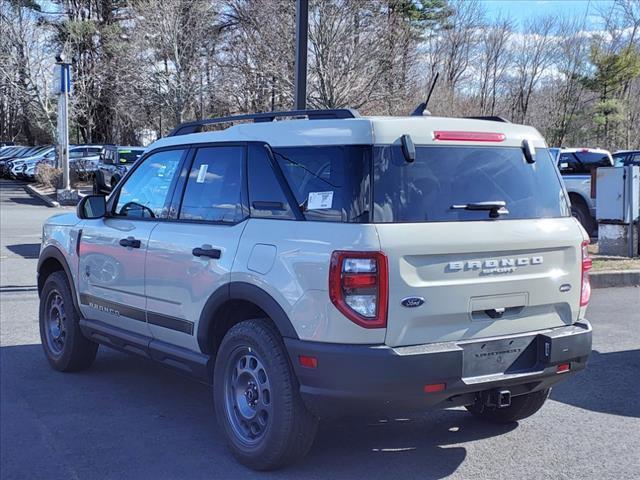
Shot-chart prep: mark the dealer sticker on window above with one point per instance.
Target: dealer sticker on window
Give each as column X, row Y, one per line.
column 319, row 200
column 202, row 173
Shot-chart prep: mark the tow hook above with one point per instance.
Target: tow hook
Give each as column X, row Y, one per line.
column 497, row 398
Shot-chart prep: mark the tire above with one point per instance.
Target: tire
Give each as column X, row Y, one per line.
column 257, row 400
column 581, row 213
column 521, row 407
column 64, row 345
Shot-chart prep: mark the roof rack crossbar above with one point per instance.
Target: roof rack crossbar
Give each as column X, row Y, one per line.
column 491, row 118
column 196, row 126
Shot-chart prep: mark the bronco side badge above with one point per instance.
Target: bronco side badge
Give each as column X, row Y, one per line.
column 411, row 302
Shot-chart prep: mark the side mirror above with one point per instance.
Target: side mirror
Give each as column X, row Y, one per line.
column 91, row 207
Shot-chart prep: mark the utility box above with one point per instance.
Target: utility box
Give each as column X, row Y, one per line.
column 618, row 210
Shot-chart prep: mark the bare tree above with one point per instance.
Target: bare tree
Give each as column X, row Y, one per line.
column 533, row 55
column 345, row 48
column 25, row 73
column 494, row 60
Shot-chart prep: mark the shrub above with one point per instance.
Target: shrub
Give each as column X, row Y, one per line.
column 49, row 176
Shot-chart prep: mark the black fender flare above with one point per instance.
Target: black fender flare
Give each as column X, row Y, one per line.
column 55, row 253
column 241, row 291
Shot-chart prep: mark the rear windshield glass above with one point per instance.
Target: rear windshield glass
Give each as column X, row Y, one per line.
column 129, row 156
column 441, row 177
column 581, row 163
column 329, row 183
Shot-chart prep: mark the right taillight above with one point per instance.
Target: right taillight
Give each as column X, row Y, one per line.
column 585, row 292
column 358, row 287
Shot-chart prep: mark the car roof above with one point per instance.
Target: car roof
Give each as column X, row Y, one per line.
column 358, row 131
column 626, row 151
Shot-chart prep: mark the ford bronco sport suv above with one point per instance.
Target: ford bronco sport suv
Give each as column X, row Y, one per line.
column 329, row 265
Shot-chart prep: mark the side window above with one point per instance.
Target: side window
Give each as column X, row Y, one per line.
column 635, row 159
column 619, row 159
column 266, row 198
column 93, row 151
column 77, row 152
column 214, row 187
column 147, row 190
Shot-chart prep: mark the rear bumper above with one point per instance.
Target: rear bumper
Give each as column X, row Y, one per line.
column 380, row 379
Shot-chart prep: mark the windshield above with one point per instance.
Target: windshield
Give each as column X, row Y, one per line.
column 129, row 155
column 448, row 184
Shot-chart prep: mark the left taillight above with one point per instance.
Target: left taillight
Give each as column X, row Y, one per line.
column 359, row 287
column 585, row 292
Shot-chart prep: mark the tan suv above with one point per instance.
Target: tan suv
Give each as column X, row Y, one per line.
column 326, row 265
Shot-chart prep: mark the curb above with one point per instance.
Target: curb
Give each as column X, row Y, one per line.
column 615, row 278
column 37, row 193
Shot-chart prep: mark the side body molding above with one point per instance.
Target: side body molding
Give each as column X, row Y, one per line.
column 247, row 292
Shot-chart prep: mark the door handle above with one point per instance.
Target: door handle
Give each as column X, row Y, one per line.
column 206, row 251
column 130, row 242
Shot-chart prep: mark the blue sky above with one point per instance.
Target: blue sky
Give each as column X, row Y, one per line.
column 523, row 9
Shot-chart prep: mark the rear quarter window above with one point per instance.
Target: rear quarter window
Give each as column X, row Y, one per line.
column 329, row 183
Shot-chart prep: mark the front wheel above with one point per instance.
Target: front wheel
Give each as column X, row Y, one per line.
column 64, row 345
column 256, row 397
column 521, row 407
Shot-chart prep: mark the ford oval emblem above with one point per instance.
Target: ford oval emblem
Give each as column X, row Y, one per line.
column 412, row 302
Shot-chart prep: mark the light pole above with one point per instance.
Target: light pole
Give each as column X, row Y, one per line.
column 302, row 31
column 64, row 85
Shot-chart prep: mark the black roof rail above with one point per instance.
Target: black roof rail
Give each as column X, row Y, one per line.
column 196, row 126
column 490, row 118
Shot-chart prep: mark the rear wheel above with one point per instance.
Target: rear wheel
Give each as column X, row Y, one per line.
column 522, row 406
column 64, row 345
column 257, row 402
column 581, row 212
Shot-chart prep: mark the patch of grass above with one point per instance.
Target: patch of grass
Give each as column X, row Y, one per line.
column 615, row 263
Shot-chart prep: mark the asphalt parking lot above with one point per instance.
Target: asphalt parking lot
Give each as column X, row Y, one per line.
column 126, row 418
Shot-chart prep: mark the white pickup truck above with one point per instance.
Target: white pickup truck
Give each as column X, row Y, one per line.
column 576, row 166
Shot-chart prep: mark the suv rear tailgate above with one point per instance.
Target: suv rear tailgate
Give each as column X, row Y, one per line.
column 480, row 279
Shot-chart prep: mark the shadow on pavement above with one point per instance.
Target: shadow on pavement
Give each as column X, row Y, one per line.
column 27, row 201
column 128, row 417
column 26, row 250
column 608, row 385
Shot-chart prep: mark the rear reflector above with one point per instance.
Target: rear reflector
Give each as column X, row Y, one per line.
column 563, row 367
column 308, row 362
column 435, row 387
column 585, row 291
column 469, row 136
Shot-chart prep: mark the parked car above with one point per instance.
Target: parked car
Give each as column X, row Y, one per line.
column 6, row 154
column 576, row 166
column 17, row 164
column 114, row 163
column 626, row 157
column 327, row 266
column 10, row 154
column 83, row 159
column 30, row 164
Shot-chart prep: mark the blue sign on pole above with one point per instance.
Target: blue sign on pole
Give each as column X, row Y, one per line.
column 64, row 74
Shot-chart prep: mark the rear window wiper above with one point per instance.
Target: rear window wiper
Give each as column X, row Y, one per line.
column 495, row 207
